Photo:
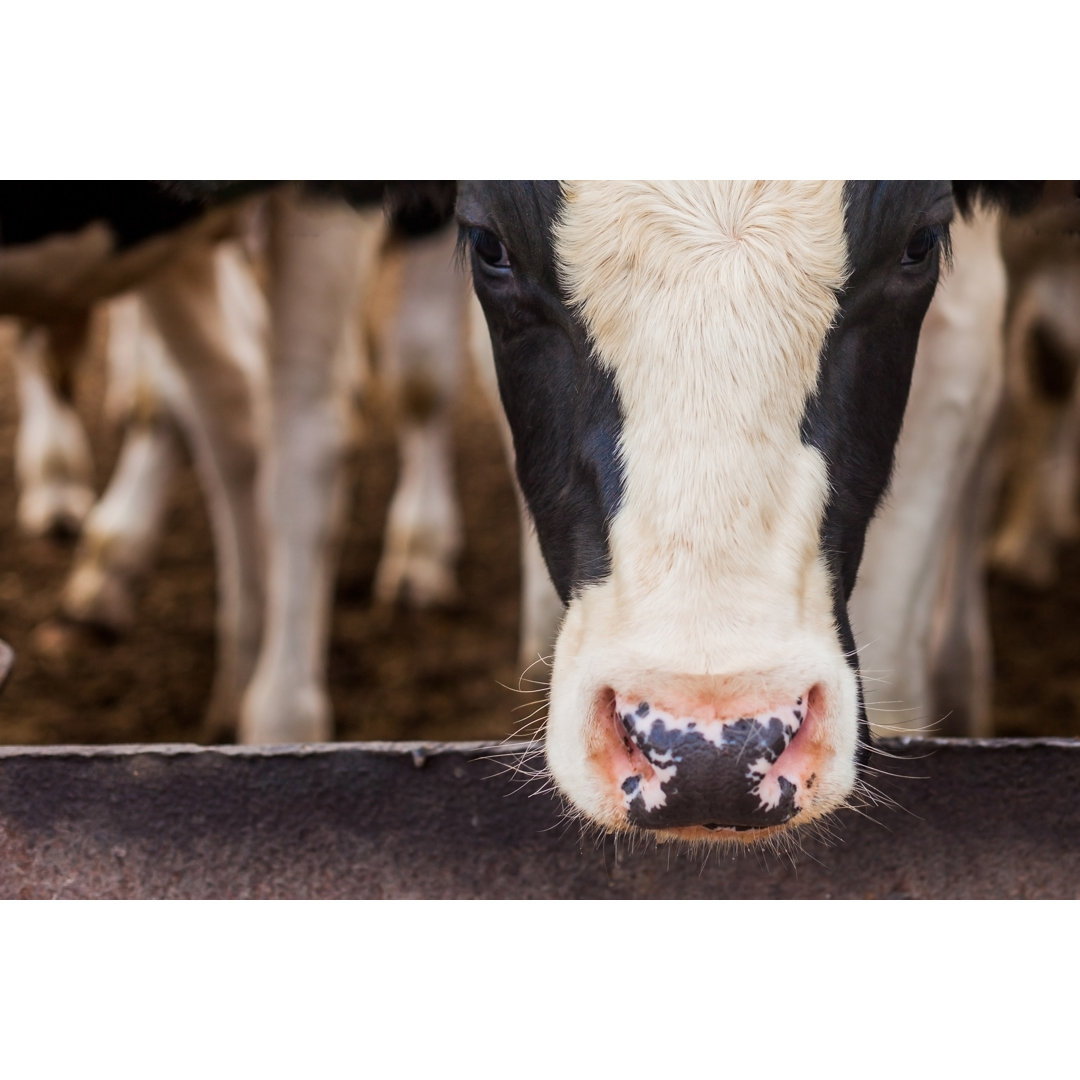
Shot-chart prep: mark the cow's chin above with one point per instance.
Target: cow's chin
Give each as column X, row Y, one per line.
column 726, row 758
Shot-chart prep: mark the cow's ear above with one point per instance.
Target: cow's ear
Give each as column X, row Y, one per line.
column 1012, row 196
column 1017, row 196
column 417, row 207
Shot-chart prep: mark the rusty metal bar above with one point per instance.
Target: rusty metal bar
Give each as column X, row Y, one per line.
column 993, row 818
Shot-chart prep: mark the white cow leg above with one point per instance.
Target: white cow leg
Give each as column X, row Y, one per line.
column 212, row 319
column 53, row 462
column 955, row 394
column 316, row 255
column 961, row 650
column 420, row 360
column 122, row 532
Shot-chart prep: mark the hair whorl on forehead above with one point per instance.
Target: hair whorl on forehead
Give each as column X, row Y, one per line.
column 663, row 265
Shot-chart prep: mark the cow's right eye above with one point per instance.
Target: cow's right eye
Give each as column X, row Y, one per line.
column 489, row 249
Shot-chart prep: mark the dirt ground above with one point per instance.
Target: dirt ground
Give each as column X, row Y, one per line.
column 392, row 674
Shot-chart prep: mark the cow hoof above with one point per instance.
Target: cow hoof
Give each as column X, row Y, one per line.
column 98, row 598
column 1032, row 565
column 60, row 638
column 301, row 717
column 416, row 582
column 55, row 512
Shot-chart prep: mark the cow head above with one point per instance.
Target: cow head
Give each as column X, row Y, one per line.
column 705, row 383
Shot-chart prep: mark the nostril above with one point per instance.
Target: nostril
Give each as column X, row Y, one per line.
column 632, row 741
column 630, row 719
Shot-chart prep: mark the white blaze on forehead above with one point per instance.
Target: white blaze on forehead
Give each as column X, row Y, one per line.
column 709, row 303
column 745, row 265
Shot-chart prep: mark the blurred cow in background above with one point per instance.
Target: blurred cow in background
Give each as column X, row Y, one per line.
column 68, row 247
column 1040, row 436
column 986, row 470
column 919, row 607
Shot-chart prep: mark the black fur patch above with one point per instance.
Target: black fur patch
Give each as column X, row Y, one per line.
column 563, row 408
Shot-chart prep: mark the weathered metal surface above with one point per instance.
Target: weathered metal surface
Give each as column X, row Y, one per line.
column 979, row 819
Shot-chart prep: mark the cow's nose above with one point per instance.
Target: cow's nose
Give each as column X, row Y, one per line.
column 720, row 774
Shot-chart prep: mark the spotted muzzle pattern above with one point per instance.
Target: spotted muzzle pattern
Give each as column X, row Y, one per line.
column 718, row 774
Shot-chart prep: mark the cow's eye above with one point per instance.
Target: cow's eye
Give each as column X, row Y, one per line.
column 489, row 249
column 923, row 243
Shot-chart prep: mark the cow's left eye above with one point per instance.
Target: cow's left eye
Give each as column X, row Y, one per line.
column 923, row 243
column 489, row 249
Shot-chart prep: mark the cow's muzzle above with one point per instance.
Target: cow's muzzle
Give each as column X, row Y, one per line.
column 712, row 773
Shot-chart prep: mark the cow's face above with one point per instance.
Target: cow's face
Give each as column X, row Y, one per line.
column 705, row 382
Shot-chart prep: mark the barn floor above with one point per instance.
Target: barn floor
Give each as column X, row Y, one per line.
column 393, row 674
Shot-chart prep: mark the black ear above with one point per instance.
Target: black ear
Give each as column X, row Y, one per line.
column 1012, row 196
column 417, row 207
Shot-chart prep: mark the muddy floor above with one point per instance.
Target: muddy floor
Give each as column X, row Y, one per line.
column 393, row 674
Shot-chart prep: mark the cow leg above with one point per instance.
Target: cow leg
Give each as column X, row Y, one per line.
column 317, row 259
column 53, row 462
column 212, row 320
column 121, row 533
column 420, row 361
column 961, row 647
column 954, row 396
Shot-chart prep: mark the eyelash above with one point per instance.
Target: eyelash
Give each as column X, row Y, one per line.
column 938, row 240
column 479, row 238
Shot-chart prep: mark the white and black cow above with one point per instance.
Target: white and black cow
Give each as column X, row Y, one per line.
column 705, row 383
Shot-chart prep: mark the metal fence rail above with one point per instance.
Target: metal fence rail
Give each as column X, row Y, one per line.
column 993, row 818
